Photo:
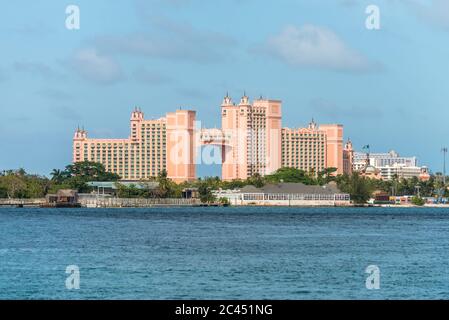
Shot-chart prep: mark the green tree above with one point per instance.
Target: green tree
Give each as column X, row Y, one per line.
column 417, row 201
column 233, row 184
column 287, row 174
column 58, row 176
column 205, row 192
column 14, row 185
column 167, row 188
column 131, row 191
column 359, row 188
column 89, row 170
column 3, row 192
column 326, row 176
column 224, row 201
column 256, row 180
column 36, row 186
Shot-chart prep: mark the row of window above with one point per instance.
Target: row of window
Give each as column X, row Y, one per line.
column 285, row 196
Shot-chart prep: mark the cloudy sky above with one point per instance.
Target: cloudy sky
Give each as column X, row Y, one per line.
column 389, row 87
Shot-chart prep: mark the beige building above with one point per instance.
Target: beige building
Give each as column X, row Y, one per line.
column 304, row 148
column 153, row 146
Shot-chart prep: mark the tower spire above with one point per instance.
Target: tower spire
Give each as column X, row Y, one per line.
column 227, row 99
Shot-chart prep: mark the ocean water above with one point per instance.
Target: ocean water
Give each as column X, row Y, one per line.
column 224, row 253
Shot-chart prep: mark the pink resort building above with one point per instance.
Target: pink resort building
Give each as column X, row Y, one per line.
column 153, row 146
column 251, row 139
column 255, row 133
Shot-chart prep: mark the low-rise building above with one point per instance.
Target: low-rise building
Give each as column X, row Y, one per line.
column 287, row 194
column 111, row 187
column 63, row 198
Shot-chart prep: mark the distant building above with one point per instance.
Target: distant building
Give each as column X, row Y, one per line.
column 286, row 194
column 153, row 146
column 348, row 158
column 255, row 131
column 402, row 171
column 387, row 166
column 371, row 172
column 304, row 148
column 190, row 193
column 63, row 198
column 111, row 188
column 251, row 139
column 381, row 160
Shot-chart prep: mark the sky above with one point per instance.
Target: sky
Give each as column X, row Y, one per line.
column 388, row 87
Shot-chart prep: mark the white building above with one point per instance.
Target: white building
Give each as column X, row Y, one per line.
column 286, row 194
column 402, row 171
column 382, row 159
column 391, row 164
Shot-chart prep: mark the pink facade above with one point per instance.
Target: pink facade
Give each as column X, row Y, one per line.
column 334, row 146
column 181, row 145
column 153, row 146
column 255, row 143
column 251, row 139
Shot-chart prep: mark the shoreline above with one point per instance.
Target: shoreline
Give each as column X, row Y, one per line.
column 18, row 206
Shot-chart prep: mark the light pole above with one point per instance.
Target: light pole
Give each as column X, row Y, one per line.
column 444, row 150
column 418, row 187
column 443, row 188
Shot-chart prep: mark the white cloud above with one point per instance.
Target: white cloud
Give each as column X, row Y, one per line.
column 436, row 12
column 316, row 46
column 95, row 67
column 169, row 40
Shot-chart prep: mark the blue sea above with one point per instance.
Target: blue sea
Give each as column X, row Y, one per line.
column 224, row 253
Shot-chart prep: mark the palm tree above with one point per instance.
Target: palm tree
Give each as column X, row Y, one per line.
column 57, row 175
column 164, row 184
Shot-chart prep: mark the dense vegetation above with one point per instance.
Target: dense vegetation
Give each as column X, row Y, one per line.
column 19, row 184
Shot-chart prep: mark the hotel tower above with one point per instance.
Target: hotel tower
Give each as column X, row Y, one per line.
column 251, row 139
column 255, row 133
column 153, row 146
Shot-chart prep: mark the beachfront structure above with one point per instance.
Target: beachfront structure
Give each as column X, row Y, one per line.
column 112, row 187
column 286, row 194
column 251, row 139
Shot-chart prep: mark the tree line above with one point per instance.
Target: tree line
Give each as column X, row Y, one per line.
column 20, row 184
